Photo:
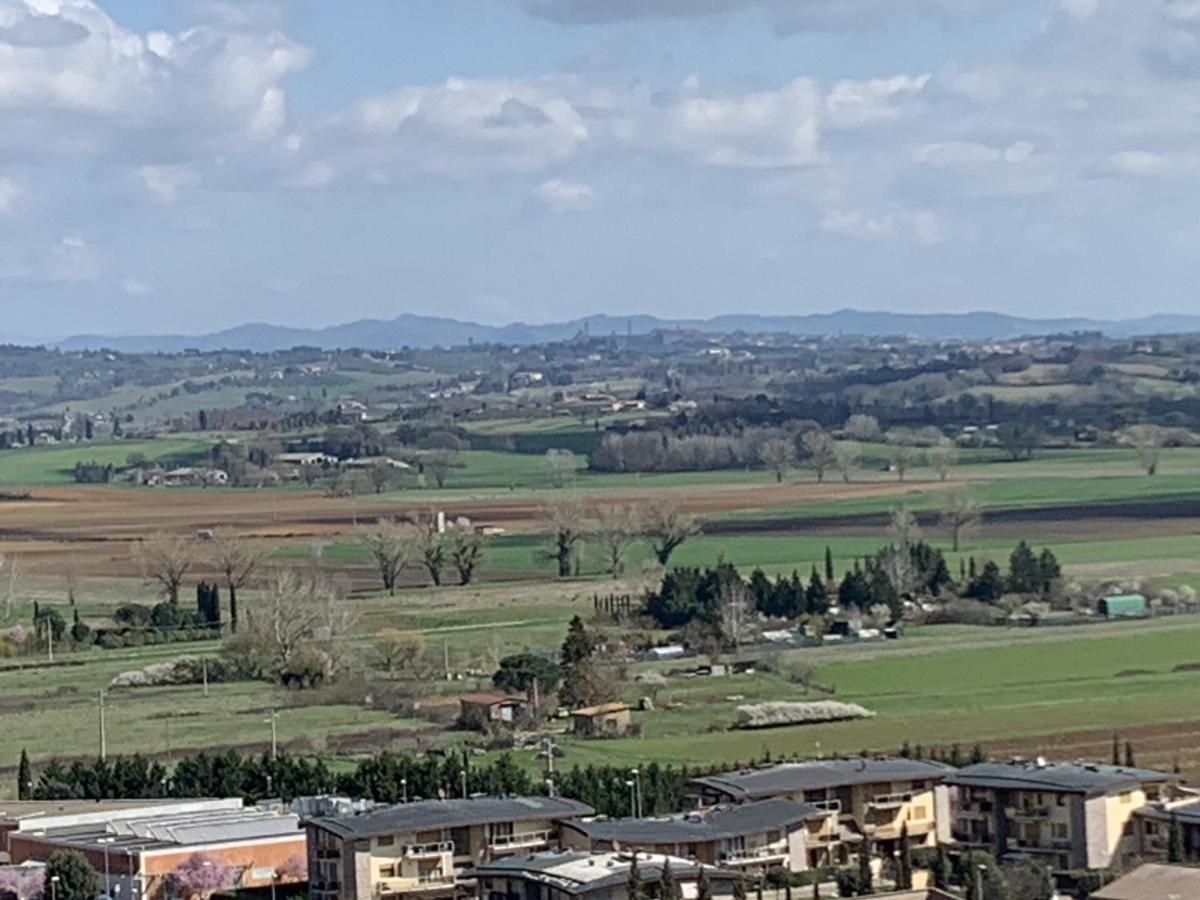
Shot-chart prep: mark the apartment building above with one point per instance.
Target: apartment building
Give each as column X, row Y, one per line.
column 752, row 837
column 860, row 799
column 1151, row 828
column 582, row 875
column 1071, row 815
column 425, row 848
column 139, row 849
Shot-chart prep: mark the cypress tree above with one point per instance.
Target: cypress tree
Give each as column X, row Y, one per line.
column 1116, row 750
column 668, row 887
column 865, row 879
column 739, row 888
column 828, row 564
column 24, row 777
column 1174, row 841
column 1130, row 759
column 634, row 888
column 703, row 888
column 904, row 875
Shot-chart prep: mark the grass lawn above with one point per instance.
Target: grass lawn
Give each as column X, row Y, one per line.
column 1024, row 684
column 55, row 464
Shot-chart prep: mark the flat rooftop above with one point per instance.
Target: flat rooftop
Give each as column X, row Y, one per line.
column 1068, row 778
column 174, row 830
column 715, row 823
column 786, row 778
column 577, row 871
column 424, row 815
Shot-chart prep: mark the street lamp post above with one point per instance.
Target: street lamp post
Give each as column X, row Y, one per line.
column 54, row 879
column 637, row 781
column 632, row 797
column 404, row 790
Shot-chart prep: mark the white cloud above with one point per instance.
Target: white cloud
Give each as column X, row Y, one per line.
column 10, row 193
column 136, row 287
column 566, row 196
column 166, row 182
column 69, row 260
column 1081, row 9
column 852, row 223
column 854, row 103
column 953, row 154
column 1146, row 164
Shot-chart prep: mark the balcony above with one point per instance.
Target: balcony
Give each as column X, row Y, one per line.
column 423, row 882
column 889, row 801
column 1027, row 812
column 752, row 855
column 436, row 848
column 833, row 807
column 518, row 841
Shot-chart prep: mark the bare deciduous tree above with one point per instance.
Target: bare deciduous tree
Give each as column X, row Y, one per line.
column 165, row 559
column 399, row 650
column 380, row 475
column 942, row 458
column 901, row 457
column 668, row 528
column 432, row 547
column 847, row 455
column 863, row 428
column 778, row 455
column 1147, row 441
column 616, row 528
column 466, row 552
column 736, row 613
column 439, row 463
column 961, row 514
column 392, row 546
column 818, row 451
column 237, row 559
column 565, row 524
column 561, row 466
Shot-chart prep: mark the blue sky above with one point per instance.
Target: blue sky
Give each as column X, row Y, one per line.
column 187, row 165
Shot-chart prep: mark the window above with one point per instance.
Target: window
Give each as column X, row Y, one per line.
column 1058, row 830
column 1061, row 799
column 385, row 840
column 387, row 871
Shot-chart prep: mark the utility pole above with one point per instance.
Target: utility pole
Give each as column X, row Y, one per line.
column 50, row 641
column 103, row 731
column 446, row 657
column 271, row 715
column 204, row 673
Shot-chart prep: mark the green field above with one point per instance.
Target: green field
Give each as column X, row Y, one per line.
column 970, row 685
column 52, row 465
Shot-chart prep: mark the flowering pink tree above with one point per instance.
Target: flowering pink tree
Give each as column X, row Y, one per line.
column 23, row 882
column 199, row 877
column 294, row 869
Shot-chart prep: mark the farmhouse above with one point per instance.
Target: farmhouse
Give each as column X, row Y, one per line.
column 424, row 849
column 754, row 837
column 606, row 720
column 880, row 798
column 138, row 849
column 1071, row 815
column 478, row 711
column 580, row 875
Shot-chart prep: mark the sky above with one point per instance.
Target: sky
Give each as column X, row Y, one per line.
column 182, row 166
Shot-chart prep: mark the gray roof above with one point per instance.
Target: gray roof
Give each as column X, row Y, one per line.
column 1185, row 813
column 716, row 824
column 750, row 784
column 1068, row 778
column 580, row 871
column 1153, row 882
column 427, row 814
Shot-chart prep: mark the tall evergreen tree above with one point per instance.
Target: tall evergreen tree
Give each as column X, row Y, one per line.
column 828, row 565
column 1116, row 750
column 865, row 878
column 739, row 888
column 24, row 778
column 904, row 863
column 668, row 886
column 1175, row 841
column 703, row 886
column 1130, row 759
column 634, row 889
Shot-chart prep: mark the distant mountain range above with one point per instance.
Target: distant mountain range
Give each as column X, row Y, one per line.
column 430, row 331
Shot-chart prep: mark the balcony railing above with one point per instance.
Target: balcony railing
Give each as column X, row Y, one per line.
column 830, row 806
column 523, row 839
column 435, row 848
column 889, row 801
column 1027, row 812
column 755, row 854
